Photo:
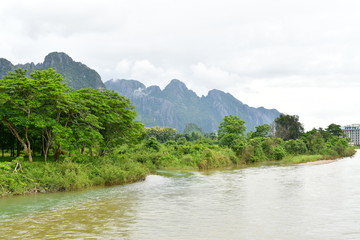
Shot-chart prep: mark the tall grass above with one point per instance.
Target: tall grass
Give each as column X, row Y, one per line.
column 68, row 175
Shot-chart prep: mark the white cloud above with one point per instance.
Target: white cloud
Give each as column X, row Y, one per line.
column 146, row 72
column 204, row 78
column 301, row 57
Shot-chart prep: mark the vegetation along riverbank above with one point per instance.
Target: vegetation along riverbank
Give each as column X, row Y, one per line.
column 54, row 138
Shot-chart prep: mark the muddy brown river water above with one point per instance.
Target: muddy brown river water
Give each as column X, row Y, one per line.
column 266, row 202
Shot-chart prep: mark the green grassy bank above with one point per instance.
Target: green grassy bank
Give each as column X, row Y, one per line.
column 21, row 177
column 296, row 159
column 125, row 165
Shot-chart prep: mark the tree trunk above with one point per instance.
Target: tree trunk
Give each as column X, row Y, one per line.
column 47, row 139
column 26, row 145
column 57, row 153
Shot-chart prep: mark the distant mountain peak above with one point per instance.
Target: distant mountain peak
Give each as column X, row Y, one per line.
column 76, row 74
column 221, row 96
column 4, row 61
column 57, row 58
column 176, row 84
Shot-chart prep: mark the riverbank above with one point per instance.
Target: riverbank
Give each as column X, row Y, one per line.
column 315, row 158
column 316, row 162
column 20, row 177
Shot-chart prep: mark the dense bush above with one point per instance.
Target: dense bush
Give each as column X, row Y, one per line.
column 295, row 146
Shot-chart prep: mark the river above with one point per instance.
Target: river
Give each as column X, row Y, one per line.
column 266, row 202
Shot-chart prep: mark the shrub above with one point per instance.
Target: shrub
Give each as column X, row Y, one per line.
column 278, row 153
column 295, row 146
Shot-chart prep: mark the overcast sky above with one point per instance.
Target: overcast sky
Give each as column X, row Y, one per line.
column 300, row 57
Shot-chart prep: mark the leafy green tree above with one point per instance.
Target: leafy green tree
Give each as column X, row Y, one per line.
column 335, row 130
column 229, row 140
column 152, row 143
column 231, row 133
column 315, row 142
column 278, row 153
column 112, row 116
column 24, row 102
column 231, row 125
column 288, row 127
column 296, row 146
column 54, row 94
column 338, row 144
column 192, row 128
column 261, row 131
column 42, row 107
column 258, row 146
column 181, row 141
column 162, row 134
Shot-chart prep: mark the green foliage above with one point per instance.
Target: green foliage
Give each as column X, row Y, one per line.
column 181, row 141
column 295, row 146
column 67, row 175
column 261, row 131
column 229, row 140
column 231, row 132
column 334, row 130
column 152, row 143
column 41, row 109
column 314, row 141
column 162, row 134
column 213, row 159
column 231, row 125
column 192, row 128
column 288, row 127
column 278, row 153
column 337, row 144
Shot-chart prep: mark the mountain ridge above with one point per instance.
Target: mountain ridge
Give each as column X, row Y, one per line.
column 76, row 74
column 176, row 105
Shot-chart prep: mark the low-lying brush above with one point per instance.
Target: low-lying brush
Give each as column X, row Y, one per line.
column 67, row 175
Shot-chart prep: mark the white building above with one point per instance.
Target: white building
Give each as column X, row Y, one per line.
column 353, row 132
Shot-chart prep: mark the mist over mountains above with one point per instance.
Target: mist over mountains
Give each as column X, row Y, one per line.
column 174, row 106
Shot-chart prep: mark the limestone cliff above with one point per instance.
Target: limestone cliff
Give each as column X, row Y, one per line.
column 76, row 74
column 176, row 106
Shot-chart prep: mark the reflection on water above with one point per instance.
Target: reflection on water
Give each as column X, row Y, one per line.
column 269, row 202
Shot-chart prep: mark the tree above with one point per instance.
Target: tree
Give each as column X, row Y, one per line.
column 288, row 127
column 338, row 144
column 113, row 118
column 334, row 130
column 56, row 103
column 24, row 102
column 295, row 146
column 231, row 125
column 191, row 128
column 261, row 131
column 231, row 133
column 162, row 134
column 42, row 108
column 314, row 140
column 152, row 143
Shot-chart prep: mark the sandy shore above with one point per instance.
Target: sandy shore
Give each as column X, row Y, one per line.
column 316, row 162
